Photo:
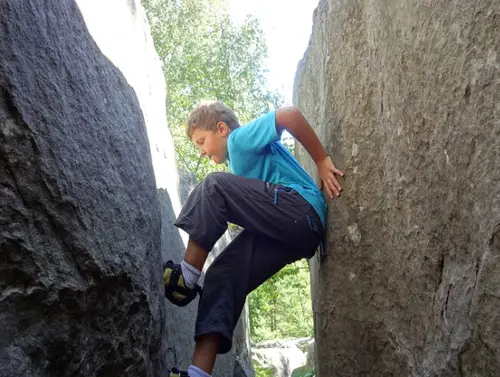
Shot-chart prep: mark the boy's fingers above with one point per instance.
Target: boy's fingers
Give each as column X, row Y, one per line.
column 333, row 189
column 337, row 184
column 328, row 190
column 332, row 180
column 337, row 171
column 330, row 186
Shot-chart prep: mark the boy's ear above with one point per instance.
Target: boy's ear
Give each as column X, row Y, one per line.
column 223, row 128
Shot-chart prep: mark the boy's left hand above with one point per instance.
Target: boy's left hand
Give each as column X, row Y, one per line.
column 327, row 172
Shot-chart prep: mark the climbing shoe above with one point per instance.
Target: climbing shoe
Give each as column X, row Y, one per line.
column 175, row 288
column 177, row 373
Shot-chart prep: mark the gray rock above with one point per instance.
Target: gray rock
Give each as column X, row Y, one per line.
column 243, row 366
column 301, row 343
column 86, row 205
column 243, row 369
column 310, row 356
column 80, row 278
column 282, row 357
column 405, row 97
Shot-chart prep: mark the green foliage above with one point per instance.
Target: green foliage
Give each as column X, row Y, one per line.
column 281, row 307
column 288, row 141
column 206, row 57
column 262, row 372
column 302, row 372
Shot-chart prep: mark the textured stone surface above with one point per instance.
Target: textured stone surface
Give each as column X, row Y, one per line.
column 310, row 356
column 406, row 95
column 281, row 357
column 243, row 366
column 80, row 282
column 86, row 208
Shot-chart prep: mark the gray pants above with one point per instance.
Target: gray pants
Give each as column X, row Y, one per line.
column 280, row 227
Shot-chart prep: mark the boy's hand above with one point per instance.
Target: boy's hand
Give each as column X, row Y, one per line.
column 327, row 172
column 291, row 119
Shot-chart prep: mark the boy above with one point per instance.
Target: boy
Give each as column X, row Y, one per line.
column 269, row 194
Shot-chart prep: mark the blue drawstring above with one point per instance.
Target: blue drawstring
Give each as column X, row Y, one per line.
column 276, row 190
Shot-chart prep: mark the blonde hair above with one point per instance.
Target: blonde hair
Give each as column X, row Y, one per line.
column 207, row 114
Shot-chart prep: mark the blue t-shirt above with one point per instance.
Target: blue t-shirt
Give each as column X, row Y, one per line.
column 254, row 151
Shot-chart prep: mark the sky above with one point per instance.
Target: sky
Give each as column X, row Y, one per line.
column 287, row 27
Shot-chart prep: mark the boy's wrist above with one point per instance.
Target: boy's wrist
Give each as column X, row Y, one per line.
column 320, row 158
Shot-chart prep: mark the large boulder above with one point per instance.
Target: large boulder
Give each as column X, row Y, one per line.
column 281, row 357
column 310, row 357
column 80, row 278
column 405, row 95
column 89, row 192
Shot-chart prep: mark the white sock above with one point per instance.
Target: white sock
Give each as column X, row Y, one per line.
column 196, row 372
column 191, row 274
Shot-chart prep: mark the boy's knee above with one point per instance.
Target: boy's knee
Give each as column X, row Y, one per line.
column 215, row 178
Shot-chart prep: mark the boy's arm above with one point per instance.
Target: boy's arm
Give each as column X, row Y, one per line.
column 291, row 119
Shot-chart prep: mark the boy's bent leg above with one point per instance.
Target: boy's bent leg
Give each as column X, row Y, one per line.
column 195, row 254
column 244, row 264
column 205, row 352
column 260, row 207
column 203, row 215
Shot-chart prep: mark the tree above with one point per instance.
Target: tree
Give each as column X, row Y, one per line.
column 281, row 307
column 206, row 57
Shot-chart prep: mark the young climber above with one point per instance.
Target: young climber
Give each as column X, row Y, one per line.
column 269, row 194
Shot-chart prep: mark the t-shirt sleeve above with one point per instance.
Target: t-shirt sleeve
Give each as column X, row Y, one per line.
column 257, row 134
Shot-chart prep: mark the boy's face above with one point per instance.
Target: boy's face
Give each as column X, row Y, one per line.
column 212, row 144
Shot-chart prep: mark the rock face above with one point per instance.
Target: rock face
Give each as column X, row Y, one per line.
column 281, row 357
column 88, row 193
column 80, row 282
column 406, row 97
